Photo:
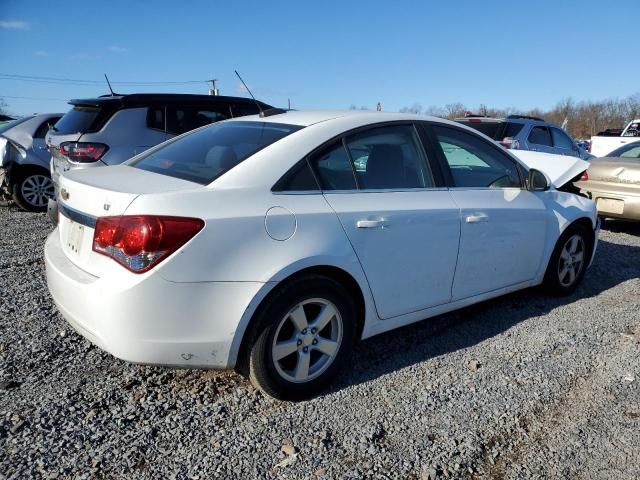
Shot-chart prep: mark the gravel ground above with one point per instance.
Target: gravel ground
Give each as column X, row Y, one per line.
column 524, row 386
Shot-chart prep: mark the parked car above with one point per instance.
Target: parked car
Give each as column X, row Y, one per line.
column 256, row 243
column 24, row 161
column 111, row 129
column 613, row 182
column 606, row 141
column 520, row 132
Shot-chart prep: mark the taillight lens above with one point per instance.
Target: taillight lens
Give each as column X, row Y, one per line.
column 510, row 143
column 140, row 242
column 83, row 152
column 584, row 177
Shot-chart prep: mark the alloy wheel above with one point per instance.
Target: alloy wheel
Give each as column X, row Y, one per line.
column 571, row 260
column 37, row 190
column 307, row 340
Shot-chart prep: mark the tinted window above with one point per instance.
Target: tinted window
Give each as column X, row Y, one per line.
column 389, row 158
column 496, row 130
column 240, row 110
column 633, row 130
column 540, row 136
column 475, row 162
column 334, row 168
column 205, row 155
column 44, row 127
column 184, row 119
column 561, row 140
column 155, row 118
column 78, row 120
column 300, row 178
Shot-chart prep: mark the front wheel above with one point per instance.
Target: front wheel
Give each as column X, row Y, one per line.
column 302, row 338
column 32, row 190
column 569, row 261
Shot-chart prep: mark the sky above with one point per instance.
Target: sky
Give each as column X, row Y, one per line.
column 323, row 54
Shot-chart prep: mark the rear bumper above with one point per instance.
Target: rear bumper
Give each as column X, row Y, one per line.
column 146, row 319
column 631, row 209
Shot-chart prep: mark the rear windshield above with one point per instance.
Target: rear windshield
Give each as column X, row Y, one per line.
column 496, row 130
column 204, row 155
column 82, row 119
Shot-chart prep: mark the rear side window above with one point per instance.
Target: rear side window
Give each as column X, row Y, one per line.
column 205, row 155
column 561, row 140
column 334, row 168
column 184, row 119
column 389, row 158
column 155, row 118
column 83, row 119
column 540, row 136
column 496, row 130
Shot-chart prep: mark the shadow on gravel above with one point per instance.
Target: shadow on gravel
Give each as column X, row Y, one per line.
column 622, row 226
column 388, row 352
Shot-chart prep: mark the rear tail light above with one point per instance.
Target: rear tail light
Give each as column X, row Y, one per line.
column 510, row 143
column 83, row 152
column 584, row 177
column 139, row 242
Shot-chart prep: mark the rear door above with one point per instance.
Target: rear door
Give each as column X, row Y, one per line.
column 503, row 225
column 402, row 223
column 539, row 139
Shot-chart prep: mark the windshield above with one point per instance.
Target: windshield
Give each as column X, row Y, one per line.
column 204, row 155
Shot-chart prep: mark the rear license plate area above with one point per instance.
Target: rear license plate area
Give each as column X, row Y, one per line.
column 610, row 205
column 74, row 237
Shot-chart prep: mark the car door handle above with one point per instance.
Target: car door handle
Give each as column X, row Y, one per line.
column 370, row 223
column 477, row 218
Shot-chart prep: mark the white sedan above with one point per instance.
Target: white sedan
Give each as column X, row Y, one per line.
column 272, row 243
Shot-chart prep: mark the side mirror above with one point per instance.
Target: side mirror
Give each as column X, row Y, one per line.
column 537, row 181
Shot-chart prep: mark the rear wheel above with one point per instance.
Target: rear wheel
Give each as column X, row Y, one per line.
column 303, row 336
column 569, row 260
column 32, row 189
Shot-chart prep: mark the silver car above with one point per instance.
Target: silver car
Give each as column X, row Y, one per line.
column 24, row 161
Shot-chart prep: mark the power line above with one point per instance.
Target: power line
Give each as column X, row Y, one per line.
column 78, row 82
column 34, row 98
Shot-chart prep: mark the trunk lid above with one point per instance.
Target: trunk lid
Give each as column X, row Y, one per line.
column 560, row 169
column 615, row 170
column 87, row 194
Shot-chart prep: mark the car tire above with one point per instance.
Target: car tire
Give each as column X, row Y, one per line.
column 569, row 260
column 302, row 336
column 32, row 189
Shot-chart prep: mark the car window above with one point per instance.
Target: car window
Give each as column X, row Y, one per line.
column 84, row 119
column 207, row 154
column 155, row 118
column 561, row 139
column 44, row 127
column 389, row 158
column 184, row 119
column 333, row 168
column 633, row 130
column 540, row 136
column 298, row 179
column 496, row 130
column 633, row 152
column 475, row 163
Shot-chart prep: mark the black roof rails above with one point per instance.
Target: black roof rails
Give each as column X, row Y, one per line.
column 526, row 117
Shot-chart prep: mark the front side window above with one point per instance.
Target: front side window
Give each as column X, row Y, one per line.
column 475, row 163
column 389, row 158
column 540, row 136
column 205, row 155
column 561, row 140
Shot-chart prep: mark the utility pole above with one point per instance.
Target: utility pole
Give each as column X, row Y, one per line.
column 213, row 90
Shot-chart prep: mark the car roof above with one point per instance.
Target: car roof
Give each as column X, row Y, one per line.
column 145, row 99
column 311, row 117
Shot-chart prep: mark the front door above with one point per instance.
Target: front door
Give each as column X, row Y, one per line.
column 503, row 225
column 404, row 230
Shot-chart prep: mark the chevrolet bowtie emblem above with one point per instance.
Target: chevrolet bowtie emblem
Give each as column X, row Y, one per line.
column 64, row 194
column 106, row 207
